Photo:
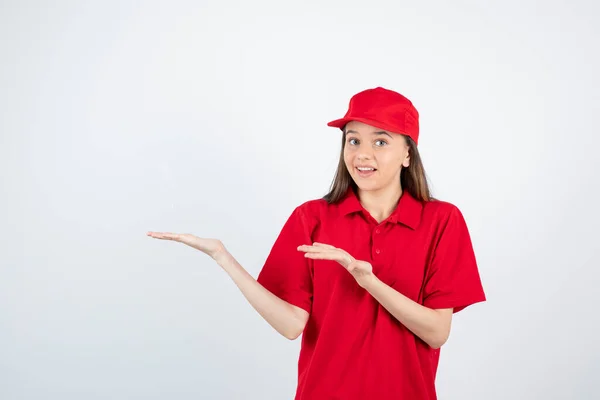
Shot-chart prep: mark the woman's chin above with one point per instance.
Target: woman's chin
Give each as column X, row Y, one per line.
column 366, row 186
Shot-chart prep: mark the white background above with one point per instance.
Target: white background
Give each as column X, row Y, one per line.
column 210, row 118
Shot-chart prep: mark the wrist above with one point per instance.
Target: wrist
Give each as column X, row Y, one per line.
column 370, row 282
column 220, row 255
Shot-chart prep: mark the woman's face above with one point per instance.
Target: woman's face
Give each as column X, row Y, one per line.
column 374, row 157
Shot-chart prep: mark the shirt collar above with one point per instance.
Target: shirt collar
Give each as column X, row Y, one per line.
column 407, row 212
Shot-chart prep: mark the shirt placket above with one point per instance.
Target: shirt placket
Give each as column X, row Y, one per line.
column 377, row 243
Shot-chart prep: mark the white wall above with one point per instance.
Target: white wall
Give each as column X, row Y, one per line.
column 210, row 117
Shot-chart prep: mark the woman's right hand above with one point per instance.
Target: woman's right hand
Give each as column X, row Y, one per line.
column 211, row 247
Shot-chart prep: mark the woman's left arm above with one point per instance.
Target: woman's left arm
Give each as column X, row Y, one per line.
column 431, row 326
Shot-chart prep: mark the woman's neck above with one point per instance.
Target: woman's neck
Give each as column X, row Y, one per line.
column 380, row 203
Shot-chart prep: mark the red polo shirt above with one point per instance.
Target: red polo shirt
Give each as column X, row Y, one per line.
column 352, row 347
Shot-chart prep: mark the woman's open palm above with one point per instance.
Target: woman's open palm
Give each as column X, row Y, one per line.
column 210, row 247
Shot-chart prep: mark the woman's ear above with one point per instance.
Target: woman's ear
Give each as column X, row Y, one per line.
column 406, row 161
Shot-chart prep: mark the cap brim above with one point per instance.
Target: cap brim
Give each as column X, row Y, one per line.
column 340, row 123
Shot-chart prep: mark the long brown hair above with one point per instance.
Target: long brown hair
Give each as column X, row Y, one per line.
column 412, row 178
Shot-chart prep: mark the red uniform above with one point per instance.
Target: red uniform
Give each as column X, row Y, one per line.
column 352, row 347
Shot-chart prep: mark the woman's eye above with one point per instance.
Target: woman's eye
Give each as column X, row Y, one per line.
column 378, row 143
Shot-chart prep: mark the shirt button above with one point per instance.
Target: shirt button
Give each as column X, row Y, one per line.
column 377, row 251
column 377, row 230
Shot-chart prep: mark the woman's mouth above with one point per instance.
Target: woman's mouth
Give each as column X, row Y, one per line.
column 365, row 172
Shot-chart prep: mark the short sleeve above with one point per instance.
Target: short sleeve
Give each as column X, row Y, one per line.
column 286, row 272
column 452, row 279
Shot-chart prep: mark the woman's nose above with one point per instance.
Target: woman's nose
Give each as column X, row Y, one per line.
column 364, row 153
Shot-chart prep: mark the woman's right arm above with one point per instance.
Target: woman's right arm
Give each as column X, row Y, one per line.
column 287, row 319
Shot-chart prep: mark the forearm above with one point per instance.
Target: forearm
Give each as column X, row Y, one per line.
column 284, row 317
column 431, row 326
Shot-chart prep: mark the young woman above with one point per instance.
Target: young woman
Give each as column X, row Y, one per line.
column 372, row 273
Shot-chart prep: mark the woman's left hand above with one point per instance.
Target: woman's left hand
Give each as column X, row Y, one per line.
column 362, row 271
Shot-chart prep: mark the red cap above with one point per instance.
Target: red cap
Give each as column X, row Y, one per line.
column 384, row 109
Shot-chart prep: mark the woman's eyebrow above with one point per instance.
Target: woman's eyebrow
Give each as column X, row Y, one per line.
column 375, row 133
column 383, row 133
